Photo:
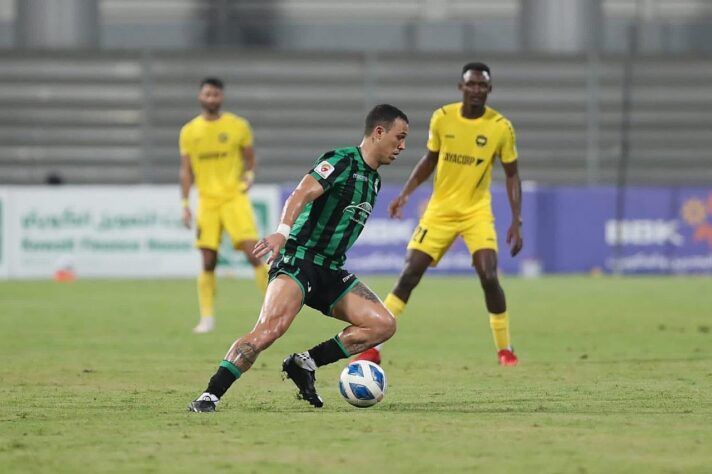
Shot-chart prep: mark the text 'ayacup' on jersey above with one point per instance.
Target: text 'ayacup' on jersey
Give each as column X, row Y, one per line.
column 327, row 227
column 467, row 149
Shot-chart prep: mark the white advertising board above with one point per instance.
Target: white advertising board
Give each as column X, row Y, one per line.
column 4, row 265
column 108, row 231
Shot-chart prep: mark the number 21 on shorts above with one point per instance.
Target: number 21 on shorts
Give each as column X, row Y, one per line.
column 419, row 234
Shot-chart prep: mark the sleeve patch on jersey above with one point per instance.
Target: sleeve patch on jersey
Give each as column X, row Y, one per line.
column 324, row 169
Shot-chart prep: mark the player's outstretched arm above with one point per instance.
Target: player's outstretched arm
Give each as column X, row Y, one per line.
column 514, row 194
column 306, row 191
column 420, row 173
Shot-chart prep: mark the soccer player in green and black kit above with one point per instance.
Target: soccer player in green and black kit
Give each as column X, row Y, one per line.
column 321, row 220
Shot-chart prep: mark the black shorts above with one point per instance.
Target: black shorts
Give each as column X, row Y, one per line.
column 321, row 287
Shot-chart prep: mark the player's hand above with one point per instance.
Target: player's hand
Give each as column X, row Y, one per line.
column 187, row 217
column 396, row 206
column 514, row 238
column 248, row 178
column 272, row 243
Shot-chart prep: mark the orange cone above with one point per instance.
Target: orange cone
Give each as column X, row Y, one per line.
column 65, row 275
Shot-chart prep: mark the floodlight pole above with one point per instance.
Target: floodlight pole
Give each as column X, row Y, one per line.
column 624, row 159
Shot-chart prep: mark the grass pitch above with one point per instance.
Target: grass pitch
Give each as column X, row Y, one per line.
column 615, row 375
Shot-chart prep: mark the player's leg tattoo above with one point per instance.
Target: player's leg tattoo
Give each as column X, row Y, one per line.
column 242, row 354
column 371, row 322
column 357, row 348
column 364, row 292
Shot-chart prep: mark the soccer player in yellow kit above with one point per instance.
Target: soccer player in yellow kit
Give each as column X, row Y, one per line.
column 217, row 154
column 464, row 140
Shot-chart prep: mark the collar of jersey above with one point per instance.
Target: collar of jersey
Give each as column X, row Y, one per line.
column 364, row 161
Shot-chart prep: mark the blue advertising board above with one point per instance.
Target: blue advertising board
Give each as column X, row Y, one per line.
column 566, row 230
column 659, row 230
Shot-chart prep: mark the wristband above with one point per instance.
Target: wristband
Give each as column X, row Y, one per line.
column 284, row 229
column 185, row 202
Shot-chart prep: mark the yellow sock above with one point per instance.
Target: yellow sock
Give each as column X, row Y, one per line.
column 206, row 294
column 394, row 304
column 261, row 277
column 500, row 330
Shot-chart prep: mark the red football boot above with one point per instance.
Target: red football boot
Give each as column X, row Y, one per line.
column 507, row 357
column 373, row 355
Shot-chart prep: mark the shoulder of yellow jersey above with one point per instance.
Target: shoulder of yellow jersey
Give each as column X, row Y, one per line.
column 190, row 124
column 236, row 119
column 447, row 110
column 497, row 117
column 192, row 121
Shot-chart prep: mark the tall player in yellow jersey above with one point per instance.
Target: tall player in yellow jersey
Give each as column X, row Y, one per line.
column 217, row 155
column 465, row 139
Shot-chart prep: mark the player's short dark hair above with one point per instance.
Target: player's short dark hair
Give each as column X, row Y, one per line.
column 385, row 115
column 212, row 81
column 482, row 67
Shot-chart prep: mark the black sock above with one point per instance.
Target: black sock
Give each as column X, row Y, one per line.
column 222, row 380
column 328, row 352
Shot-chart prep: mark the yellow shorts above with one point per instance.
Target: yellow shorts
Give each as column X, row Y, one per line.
column 434, row 235
column 233, row 215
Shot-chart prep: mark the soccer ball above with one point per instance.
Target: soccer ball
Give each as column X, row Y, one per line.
column 363, row 383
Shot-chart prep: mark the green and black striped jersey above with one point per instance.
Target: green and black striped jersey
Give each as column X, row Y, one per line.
column 327, row 227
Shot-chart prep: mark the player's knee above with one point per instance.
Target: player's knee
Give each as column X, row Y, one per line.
column 389, row 328
column 489, row 280
column 209, row 262
column 267, row 335
column 267, row 338
column 386, row 328
column 271, row 326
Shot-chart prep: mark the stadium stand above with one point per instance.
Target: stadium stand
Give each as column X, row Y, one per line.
column 113, row 117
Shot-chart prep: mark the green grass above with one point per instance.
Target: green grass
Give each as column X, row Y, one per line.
column 615, row 376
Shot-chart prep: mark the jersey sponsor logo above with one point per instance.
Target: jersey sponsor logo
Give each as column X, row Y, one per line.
column 222, row 138
column 213, row 155
column 324, row 169
column 286, row 258
column 481, row 140
column 347, row 277
column 376, row 185
column 359, row 212
column 308, row 287
column 449, row 135
column 466, row 160
column 359, row 177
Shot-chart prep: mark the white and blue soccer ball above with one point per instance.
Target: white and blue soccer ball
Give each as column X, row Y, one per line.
column 363, row 383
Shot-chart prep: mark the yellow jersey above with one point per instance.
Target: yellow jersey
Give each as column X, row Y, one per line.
column 215, row 150
column 466, row 151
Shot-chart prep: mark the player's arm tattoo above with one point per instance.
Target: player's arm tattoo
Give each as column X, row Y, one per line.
column 364, row 292
column 242, row 354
